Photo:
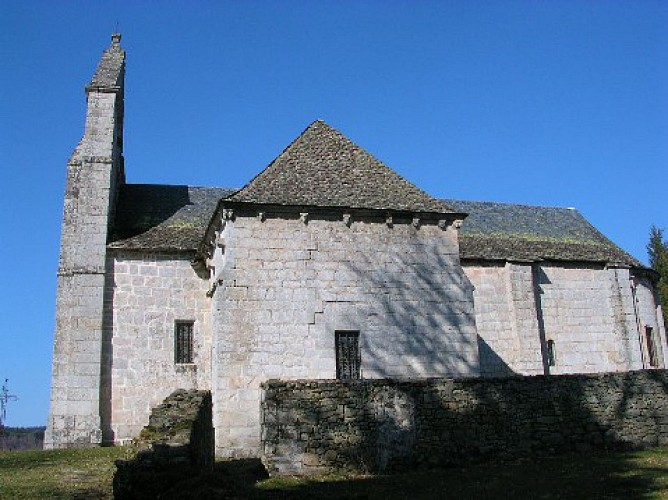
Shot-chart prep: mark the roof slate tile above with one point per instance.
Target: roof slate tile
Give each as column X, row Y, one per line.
column 160, row 217
column 174, row 218
column 504, row 231
column 111, row 65
column 324, row 168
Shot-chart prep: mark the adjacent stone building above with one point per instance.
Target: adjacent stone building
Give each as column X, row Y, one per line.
column 326, row 265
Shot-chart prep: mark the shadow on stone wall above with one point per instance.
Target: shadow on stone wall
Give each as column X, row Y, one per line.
column 107, row 355
column 429, row 298
column 491, row 362
column 386, row 425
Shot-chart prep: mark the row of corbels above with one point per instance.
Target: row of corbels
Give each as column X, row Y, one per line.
column 228, row 214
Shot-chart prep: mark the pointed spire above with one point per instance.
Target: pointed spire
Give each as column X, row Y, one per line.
column 324, row 168
column 110, row 69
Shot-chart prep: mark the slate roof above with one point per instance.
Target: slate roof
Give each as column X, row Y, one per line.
column 110, row 68
column 174, row 218
column 324, row 168
column 160, row 217
column 502, row 231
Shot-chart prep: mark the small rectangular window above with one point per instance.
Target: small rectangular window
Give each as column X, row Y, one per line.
column 348, row 359
column 183, row 342
column 551, row 353
column 652, row 353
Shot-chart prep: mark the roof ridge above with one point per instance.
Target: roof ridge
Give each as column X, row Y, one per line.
column 146, row 184
column 507, row 203
column 277, row 157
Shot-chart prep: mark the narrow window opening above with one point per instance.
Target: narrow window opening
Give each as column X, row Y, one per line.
column 652, row 353
column 183, row 342
column 348, row 358
column 551, row 353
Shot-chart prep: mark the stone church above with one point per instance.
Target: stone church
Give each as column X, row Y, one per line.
column 326, row 265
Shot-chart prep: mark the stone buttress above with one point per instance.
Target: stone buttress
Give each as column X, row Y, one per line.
column 94, row 172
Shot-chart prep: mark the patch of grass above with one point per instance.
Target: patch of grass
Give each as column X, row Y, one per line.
column 82, row 473
column 88, row 474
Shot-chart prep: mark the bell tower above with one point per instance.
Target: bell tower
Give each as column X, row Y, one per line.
column 94, row 174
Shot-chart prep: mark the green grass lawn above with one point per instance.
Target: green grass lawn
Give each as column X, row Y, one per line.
column 83, row 473
column 88, row 474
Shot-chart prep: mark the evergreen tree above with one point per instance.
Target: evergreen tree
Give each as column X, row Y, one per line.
column 657, row 249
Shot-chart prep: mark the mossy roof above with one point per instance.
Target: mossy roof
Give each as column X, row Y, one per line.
column 323, row 168
column 175, row 218
column 109, row 70
column 504, row 231
column 161, row 217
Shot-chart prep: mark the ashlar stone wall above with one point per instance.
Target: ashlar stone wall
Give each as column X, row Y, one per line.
column 649, row 314
column 93, row 174
column 313, row 426
column 577, row 314
column 147, row 293
column 286, row 284
column 595, row 317
column 506, row 318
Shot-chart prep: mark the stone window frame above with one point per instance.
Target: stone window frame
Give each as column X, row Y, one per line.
column 184, row 342
column 348, row 354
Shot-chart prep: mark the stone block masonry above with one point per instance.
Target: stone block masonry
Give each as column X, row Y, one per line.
column 314, row 426
column 94, row 173
column 595, row 316
column 286, row 286
column 148, row 293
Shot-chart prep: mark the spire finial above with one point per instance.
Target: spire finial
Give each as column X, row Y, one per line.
column 116, row 38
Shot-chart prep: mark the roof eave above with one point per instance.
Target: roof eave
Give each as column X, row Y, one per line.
column 226, row 203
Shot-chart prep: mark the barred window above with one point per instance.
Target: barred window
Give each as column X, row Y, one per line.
column 348, row 359
column 183, row 342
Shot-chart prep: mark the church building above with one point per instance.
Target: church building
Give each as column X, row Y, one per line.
column 326, row 265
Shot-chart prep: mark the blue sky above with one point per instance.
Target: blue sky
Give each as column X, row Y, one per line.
column 559, row 103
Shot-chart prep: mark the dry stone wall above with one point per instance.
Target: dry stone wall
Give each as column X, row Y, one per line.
column 312, row 426
column 177, row 443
